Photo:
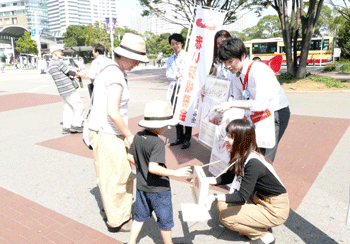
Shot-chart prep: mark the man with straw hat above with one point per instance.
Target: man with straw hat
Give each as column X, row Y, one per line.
column 147, row 152
column 109, row 134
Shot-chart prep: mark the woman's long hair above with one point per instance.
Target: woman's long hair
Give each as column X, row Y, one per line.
column 218, row 34
column 244, row 142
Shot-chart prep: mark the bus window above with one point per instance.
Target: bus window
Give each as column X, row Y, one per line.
column 261, row 48
column 282, row 49
column 325, row 44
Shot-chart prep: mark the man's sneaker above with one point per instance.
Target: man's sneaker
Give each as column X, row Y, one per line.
column 66, row 131
column 76, row 129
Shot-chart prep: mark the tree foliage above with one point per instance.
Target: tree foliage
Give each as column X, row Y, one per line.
column 329, row 22
column 25, row 44
column 343, row 9
column 75, row 36
column 344, row 39
column 182, row 10
column 297, row 19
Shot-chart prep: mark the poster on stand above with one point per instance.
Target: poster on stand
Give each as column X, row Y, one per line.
column 219, row 152
column 216, row 91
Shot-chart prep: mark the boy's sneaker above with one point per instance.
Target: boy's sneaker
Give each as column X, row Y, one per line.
column 66, row 131
column 266, row 239
column 76, row 129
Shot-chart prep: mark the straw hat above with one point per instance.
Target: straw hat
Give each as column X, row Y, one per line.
column 158, row 114
column 132, row 47
column 55, row 48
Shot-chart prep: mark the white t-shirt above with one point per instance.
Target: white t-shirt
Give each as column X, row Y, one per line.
column 99, row 117
column 264, row 89
column 98, row 64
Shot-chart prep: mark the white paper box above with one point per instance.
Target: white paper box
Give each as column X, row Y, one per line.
column 200, row 185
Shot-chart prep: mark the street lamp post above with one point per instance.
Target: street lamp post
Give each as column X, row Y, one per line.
column 37, row 34
column 321, row 51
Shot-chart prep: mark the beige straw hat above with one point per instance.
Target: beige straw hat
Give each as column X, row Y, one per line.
column 158, row 114
column 132, row 47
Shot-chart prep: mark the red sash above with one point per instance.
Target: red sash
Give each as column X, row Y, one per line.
column 258, row 115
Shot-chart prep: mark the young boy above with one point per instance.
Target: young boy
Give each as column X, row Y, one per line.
column 147, row 152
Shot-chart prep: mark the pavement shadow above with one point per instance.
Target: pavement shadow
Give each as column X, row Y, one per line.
column 305, row 230
column 216, row 229
column 96, row 193
column 149, row 71
column 195, row 151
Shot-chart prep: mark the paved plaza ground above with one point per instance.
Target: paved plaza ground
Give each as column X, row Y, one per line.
column 48, row 185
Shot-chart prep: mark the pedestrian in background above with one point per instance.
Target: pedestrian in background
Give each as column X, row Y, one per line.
column 73, row 107
column 42, row 65
column 98, row 51
column 2, row 66
column 109, row 134
column 174, row 72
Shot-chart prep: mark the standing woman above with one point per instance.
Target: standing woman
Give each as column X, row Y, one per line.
column 259, row 91
column 109, row 134
column 257, row 200
column 219, row 68
column 174, row 70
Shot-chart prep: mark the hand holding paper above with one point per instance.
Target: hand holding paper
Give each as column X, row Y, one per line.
column 223, row 107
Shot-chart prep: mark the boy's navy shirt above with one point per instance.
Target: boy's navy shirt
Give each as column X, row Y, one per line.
column 148, row 147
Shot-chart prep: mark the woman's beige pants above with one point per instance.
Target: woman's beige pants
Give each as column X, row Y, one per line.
column 256, row 216
column 114, row 176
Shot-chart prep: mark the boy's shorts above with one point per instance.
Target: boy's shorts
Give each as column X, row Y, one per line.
column 160, row 203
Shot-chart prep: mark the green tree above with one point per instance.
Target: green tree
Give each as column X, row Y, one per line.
column 97, row 33
column 239, row 35
column 344, row 39
column 270, row 26
column 343, row 9
column 298, row 18
column 25, row 44
column 182, row 10
column 75, row 36
column 329, row 22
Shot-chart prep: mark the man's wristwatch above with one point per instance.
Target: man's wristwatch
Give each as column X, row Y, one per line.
column 215, row 197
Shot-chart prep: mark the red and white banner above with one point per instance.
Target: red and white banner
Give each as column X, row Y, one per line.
column 198, row 63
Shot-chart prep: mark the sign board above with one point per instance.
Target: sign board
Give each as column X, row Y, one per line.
column 216, row 91
column 337, row 52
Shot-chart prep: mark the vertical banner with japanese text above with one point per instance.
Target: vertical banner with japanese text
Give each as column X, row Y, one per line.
column 198, row 63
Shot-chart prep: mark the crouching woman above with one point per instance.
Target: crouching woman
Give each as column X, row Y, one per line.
column 257, row 200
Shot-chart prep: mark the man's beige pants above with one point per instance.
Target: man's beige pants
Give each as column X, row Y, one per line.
column 256, row 216
column 114, row 176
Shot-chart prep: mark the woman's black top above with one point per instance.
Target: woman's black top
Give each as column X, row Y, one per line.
column 257, row 177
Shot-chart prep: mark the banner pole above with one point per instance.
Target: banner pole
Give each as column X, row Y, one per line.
column 190, row 28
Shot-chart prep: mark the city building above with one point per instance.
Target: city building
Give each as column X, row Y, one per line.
column 155, row 24
column 63, row 13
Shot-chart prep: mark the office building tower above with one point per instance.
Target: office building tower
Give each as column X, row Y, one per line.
column 63, row 13
column 25, row 13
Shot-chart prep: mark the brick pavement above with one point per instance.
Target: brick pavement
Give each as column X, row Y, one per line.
column 25, row 222
column 303, row 151
column 307, row 139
